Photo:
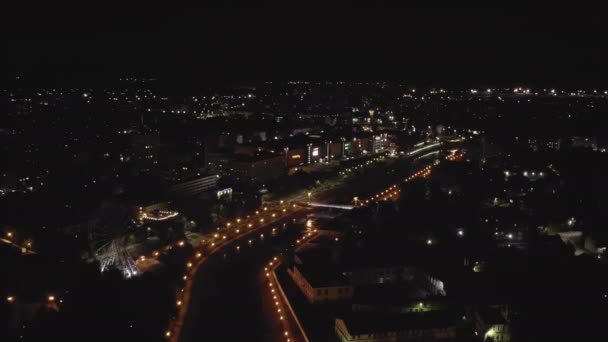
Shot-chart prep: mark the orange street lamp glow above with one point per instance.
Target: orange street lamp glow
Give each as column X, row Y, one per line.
column 51, row 298
column 10, row 299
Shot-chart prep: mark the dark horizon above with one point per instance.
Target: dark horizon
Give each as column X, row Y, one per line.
column 203, row 46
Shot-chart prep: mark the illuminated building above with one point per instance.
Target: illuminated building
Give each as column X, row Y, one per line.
column 491, row 325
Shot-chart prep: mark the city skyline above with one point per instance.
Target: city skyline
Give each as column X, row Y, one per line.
column 342, row 173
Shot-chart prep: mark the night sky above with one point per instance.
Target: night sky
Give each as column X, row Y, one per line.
column 452, row 46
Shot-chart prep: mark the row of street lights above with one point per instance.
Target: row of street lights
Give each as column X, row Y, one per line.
column 360, row 166
column 192, row 265
column 272, row 265
column 392, row 191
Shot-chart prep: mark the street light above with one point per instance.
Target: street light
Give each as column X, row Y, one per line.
column 309, row 194
column 356, row 199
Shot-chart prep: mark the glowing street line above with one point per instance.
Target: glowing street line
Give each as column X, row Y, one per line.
column 428, row 154
column 423, row 148
column 335, row 206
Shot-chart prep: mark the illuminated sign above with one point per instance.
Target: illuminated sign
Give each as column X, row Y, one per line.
column 296, row 156
column 315, row 152
column 346, row 146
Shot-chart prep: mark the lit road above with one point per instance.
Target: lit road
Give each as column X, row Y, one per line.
column 225, row 303
column 221, row 298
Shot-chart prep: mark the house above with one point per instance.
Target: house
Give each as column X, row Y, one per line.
column 490, row 325
column 321, row 284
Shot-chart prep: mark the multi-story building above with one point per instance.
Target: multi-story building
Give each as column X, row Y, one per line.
column 321, row 285
column 257, row 168
column 194, row 187
column 490, row 325
column 376, row 327
column 145, row 152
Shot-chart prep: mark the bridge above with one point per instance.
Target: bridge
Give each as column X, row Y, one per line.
column 324, row 205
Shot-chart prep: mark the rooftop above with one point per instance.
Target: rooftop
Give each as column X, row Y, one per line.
column 392, row 294
column 245, row 158
column 365, row 323
column 322, row 275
